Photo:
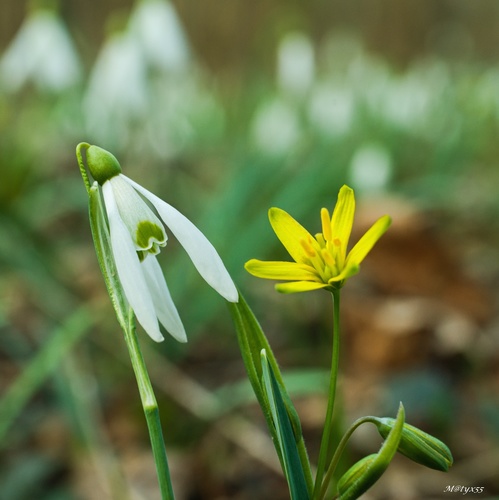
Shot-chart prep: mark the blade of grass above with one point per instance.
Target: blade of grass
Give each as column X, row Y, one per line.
column 41, row 367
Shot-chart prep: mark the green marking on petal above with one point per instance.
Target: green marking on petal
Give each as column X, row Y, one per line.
column 149, row 236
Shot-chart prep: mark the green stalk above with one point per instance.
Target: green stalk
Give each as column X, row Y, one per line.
column 328, row 424
column 338, row 452
column 151, row 410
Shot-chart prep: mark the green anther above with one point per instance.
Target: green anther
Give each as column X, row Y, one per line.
column 102, row 164
column 149, row 235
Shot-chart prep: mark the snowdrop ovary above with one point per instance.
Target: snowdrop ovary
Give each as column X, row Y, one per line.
column 136, row 222
column 102, row 164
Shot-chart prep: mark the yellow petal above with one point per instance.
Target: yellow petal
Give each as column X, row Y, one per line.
column 280, row 270
column 299, row 286
column 348, row 271
column 365, row 244
column 290, row 233
column 342, row 219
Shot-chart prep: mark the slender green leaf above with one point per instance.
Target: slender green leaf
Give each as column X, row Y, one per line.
column 285, row 435
column 252, row 341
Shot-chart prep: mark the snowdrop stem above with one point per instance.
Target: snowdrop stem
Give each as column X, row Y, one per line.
column 328, row 425
column 81, row 164
column 151, row 410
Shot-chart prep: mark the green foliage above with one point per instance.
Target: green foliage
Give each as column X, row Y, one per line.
column 252, row 342
column 285, row 434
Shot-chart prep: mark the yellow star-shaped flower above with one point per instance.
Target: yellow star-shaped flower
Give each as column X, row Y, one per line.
column 321, row 261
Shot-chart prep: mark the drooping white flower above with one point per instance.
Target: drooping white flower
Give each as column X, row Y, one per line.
column 109, row 105
column 43, row 53
column 136, row 236
column 160, row 34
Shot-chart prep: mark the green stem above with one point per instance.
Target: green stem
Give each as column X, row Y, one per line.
column 305, row 462
column 151, row 410
column 338, row 452
column 328, row 425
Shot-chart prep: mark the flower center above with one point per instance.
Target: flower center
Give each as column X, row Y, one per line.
column 149, row 237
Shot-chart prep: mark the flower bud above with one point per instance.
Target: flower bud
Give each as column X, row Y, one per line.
column 418, row 445
column 362, row 475
column 102, row 164
column 356, row 472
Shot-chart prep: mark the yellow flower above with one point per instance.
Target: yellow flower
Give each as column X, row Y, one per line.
column 321, row 261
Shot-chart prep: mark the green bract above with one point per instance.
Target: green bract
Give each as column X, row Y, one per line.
column 102, row 164
column 418, row 445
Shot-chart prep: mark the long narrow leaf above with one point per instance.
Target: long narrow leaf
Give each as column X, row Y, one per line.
column 252, row 341
column 247, row 329
column 285, row 435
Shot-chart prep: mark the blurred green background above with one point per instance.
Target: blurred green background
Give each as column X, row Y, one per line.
column 225, row 108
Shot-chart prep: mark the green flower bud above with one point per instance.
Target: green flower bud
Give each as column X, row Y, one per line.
column 354, row 474
column 362, row 475
column 102, row 164
column 418, row 445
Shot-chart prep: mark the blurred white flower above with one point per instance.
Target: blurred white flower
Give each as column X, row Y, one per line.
column 332, row 109
column 43, row 53
column 276, row 128
column 371, row 168
column 117, row 92
column 295, row 64
column 160, row 34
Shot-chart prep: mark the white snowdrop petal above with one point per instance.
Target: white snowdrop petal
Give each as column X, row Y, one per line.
column 165, row 308
column 134, row 212
column 202, row 253
column 128, row 267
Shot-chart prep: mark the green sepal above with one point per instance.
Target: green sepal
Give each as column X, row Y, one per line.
column 362, row 475
column 284, row 432
column 102, row 243
column 419, row 446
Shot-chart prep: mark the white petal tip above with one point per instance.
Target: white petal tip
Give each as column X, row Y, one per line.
column 228, row 291
column 179, row 336
column 233, row 297
column 156, row 337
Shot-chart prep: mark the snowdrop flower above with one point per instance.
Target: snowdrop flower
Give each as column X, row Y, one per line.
column 160, row 34
column 296, row 64
column 41, row 52
column 136, row 236
column 110, row 106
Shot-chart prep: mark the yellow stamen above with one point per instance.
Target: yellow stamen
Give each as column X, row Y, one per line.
column 337, row 242
column 328, row 259
column 326, row 224
column 309, row 250
column 320, row 239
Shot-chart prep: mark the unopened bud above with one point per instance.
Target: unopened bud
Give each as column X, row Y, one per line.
column 354, row 474
column 418, row 445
